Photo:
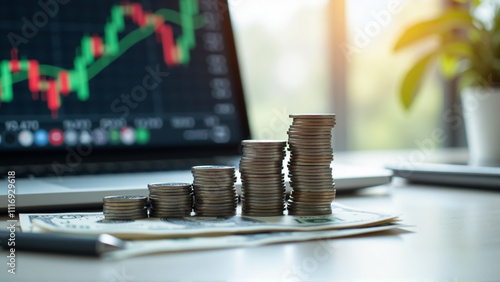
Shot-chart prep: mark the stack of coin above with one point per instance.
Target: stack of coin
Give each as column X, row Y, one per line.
column 311, row 154
column 125, row 207
column 262, row 178
column 170, row 199
column 214, row 192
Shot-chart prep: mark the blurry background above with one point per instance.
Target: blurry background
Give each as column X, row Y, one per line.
column 336, row 56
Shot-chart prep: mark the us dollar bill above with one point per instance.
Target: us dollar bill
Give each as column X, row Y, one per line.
column 143, row 247
column 150, row 228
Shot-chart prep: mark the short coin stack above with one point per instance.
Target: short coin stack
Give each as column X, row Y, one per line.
column 214, row 192
column 311, row 154
column 170, row 199
column 125, row 207
column 262, row 178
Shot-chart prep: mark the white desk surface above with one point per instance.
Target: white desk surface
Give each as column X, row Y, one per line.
column 456, row 237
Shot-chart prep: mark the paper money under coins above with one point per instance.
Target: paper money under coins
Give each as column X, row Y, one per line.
column 311, row 154
column 150, row 228
column 211, row 233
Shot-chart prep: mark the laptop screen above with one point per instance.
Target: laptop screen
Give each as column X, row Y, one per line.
column 119, row 79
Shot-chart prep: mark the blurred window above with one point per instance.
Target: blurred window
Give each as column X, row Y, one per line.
column 283, row 51
column 286, row 62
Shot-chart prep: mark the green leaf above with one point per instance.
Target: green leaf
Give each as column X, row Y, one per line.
column 474, row 36
column 448, row 64
column 448, row 21
column 449, row 55
column 475, row 3
column 413, row 78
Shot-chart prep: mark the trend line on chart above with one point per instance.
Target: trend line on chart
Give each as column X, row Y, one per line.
column 95, row 53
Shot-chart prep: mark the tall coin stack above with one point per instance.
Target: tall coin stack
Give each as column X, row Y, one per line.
column 170, row 199
column 214, row 192
column 311, row 154
column 262, row 178
column 125, row 207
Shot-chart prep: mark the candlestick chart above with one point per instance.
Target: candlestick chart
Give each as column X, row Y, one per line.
column 118, row 73
column 97, row 51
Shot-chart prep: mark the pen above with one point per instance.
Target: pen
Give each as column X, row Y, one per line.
column 90, row 245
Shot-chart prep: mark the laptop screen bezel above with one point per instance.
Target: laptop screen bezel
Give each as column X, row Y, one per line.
column 15, row 157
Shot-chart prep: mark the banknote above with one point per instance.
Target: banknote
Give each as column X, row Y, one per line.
column 153, row 228
column 143, row 247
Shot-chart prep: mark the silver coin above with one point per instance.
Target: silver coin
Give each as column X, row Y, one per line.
column 250, row 168
column 219, row 191
column 264, row 156
column 125, row 204
column 172, row 205
column 308, row 206
column 298, row 193
column 137, row 215
column 262, row 212
column 216, row 202
column 156, row 197
column 124, row 218
column 168, row 185
column 263, row 142
column 263, row 186
column 310, row 153
column 117, row 209
column 257, row 178
column 309, row 213
column 321, row 158
column 274, row 207
column 263, row 198
column 213, row 177
column 213, row 210
column 310, row 169
column 124, row 199
column 248, row 213
column 170, row 194
column 200, row 214
column 258, row 195
column 212, row 168
column 313, row 116
column 263, row 189
column 185, row 210
column 280, row 192
column 124, row 213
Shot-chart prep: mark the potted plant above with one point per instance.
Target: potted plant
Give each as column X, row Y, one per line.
column 468, row 52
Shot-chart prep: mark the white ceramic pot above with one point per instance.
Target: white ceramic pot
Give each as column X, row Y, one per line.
column 482, row 124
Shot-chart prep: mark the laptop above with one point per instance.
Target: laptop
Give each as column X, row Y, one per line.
column 449, row 174
column 103, row 97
